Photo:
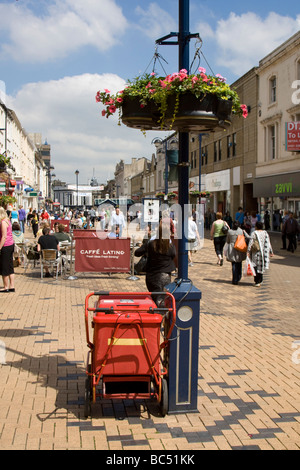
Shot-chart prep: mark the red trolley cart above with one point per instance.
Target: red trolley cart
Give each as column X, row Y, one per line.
column 128, row 354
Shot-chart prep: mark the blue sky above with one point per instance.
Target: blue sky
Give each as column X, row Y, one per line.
column 55, row 56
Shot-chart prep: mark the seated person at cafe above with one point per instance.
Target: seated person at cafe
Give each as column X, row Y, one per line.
column 40, row 231
column 47, row 242
column 61, row 235
column 115, row 233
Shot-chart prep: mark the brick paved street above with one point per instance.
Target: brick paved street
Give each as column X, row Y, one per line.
column 249, row 366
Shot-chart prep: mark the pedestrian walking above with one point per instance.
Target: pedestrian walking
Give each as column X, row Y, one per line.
column 193, row 238
column 22, row 218
column 6, row 253
column 117, row 218
column 291, row 229
column 218, row 236
column 234, row 256
column 283, row 234
column 259, row 252
column 34, row 223
column 239, row 216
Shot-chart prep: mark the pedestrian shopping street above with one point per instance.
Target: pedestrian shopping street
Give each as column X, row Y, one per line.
column 249, row 365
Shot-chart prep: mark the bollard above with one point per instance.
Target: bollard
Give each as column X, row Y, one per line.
column 184, row 346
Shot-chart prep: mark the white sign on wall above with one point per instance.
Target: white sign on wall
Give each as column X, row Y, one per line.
column 218, row 181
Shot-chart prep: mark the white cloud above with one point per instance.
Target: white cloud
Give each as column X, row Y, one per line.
column 244, row 40
column 67, row 26
column 155, row 22
column 65, row 112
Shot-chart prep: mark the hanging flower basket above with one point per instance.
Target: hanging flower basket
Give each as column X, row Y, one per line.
column 202, row 194
column 179, row 101
column 160, row 195
column 7, row 200
column 172, row 195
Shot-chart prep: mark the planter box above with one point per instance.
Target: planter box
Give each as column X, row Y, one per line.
column 206, row 114
column 198, row 115
column 140, row 118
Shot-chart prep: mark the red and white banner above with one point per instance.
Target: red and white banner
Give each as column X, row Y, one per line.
column 93, row 254
column 293, row 136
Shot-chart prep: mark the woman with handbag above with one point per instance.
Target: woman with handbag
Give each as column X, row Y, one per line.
column 6, row 253
column 234, row 255
column 218, row 234
column 259, row 252
column 160, row 260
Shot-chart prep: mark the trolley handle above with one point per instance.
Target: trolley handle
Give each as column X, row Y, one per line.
column 106, row 310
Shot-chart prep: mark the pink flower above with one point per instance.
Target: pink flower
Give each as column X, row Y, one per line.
column 222, row 79
column 244, row 108
column 202, row 70
column 111, row 101
column 204, row 77
column 112, row 109
column 103, row 112
column 120, row 100
column 107, row 91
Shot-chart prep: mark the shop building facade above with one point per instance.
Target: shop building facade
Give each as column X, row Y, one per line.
column 277, row 181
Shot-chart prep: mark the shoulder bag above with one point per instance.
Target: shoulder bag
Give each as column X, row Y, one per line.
column 255, row 244
column 240, row 244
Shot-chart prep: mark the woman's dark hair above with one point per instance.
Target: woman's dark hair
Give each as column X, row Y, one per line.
column 235, row 225
column 162, row 244
column 16, row 226
column 259, row 225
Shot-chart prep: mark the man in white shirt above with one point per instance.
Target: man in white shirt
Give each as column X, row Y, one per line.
column 117, row 218
column 193, row 238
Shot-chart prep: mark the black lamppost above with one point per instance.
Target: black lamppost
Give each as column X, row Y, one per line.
column 184, row 346
column 77, row 173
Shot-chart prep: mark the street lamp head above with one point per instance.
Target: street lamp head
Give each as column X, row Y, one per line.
column 157, row 141
column 77, row 172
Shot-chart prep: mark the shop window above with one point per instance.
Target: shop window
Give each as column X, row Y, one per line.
column 234, row 144
column 272, row 142
column 229, row 145
column 220, row 150
column 215, row 151
column 273, row 90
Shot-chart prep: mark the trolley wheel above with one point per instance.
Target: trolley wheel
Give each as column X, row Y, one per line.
column 164, row 401
column 87, row 398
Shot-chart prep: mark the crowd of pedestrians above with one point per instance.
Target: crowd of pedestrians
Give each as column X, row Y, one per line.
column 159, row 254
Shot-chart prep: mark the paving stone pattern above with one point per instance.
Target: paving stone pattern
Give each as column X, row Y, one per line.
column 249, row 367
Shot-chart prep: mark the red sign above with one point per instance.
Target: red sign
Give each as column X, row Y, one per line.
column 64, row 222
column 93, row 254
column 293, row 136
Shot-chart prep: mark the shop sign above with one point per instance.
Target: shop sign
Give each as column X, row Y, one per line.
column 287, row 185
column 293, row 136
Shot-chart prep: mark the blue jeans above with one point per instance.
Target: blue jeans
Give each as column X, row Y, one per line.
column 236, row 272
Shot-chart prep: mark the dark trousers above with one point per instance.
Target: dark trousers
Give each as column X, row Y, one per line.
column 258, row 279
column 236, row 272
column 292, row 241
column 283, row 238
column 219, row 243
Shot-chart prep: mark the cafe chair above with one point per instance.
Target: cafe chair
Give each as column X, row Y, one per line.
column 51, row 260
